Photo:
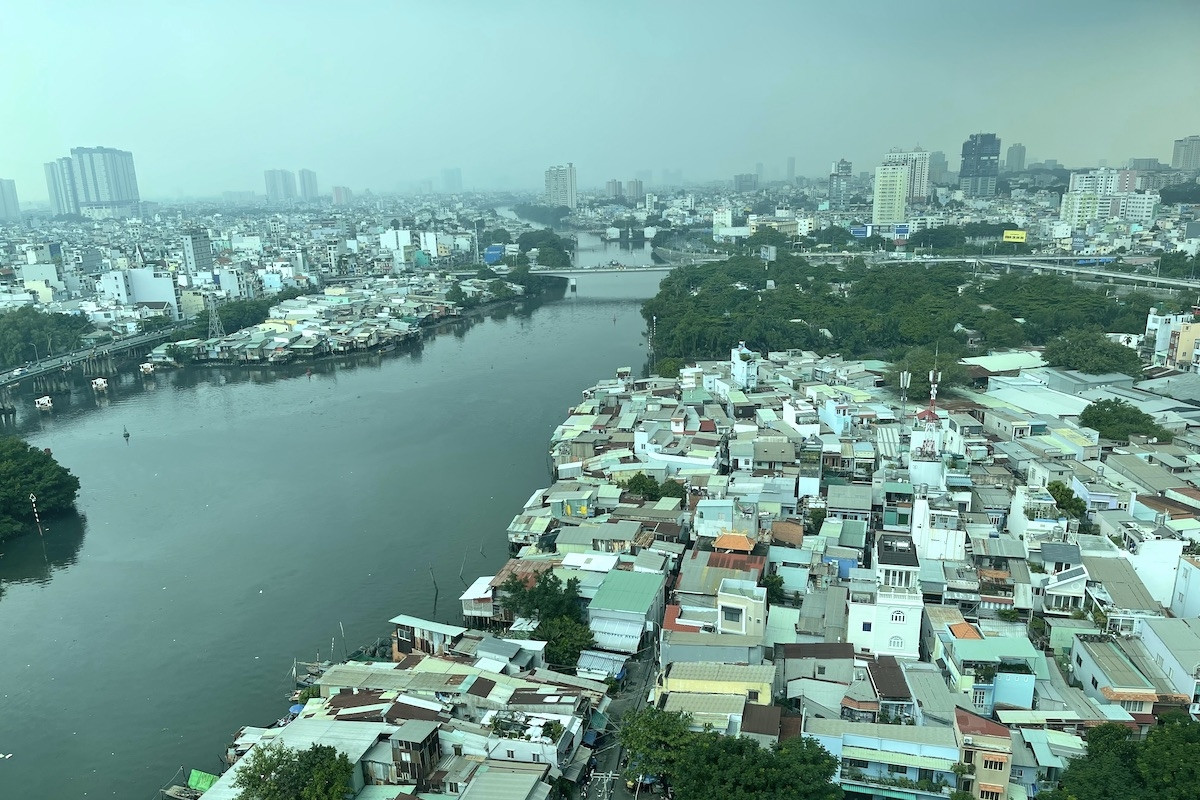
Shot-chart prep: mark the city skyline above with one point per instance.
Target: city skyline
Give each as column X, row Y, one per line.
column 179, row 159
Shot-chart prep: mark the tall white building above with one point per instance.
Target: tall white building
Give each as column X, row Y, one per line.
column 197, row 253
column 917, row 161
column 308, row 184
column 281, row 184
column 1104, row 181
column 1186, row 154
column 95, row 182
column 560, row 186
column 10, row 209
column 891, row 193
column 883, row 616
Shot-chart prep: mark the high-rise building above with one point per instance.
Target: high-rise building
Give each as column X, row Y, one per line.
column 1014, row 159
column 840, row 175
column 10, row 209
column 939, row 169
column 980, row 165
column 452, row 180
column 1104, row 182
column 760, row 173
column 745, row 182
column 560, row 186
column 197, row 253
column 634, row 190
column 308, row 185
column 791, row 169
column 1145, row 164
column 613, row 188
column 891, row 194
column 1186, row 154
column 281, row 185
column 342, row 196
column 94, row 181
column 917, row 161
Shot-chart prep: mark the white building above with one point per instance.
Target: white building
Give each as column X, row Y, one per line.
column 891, row 194
column 197, row 253
column 743, row 367
column 884, row 608
column 917, row 162
column 560, row 186
column 10, row 209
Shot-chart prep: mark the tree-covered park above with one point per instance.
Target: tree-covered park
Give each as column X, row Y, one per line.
column 27, row 470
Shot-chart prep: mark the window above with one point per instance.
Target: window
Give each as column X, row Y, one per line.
column 820, row 669
column 968, row 756
column 1094, row 684
column 866, row 626
column 984, row 794
column 511, row 754
column 896, row 643
column 978, row 698
column 897, row 616
column 535, row 757
column 1018, row 773
column 753, row 695
column 458, row 749
column 896, row 769
column 1132, row 705
column 453, row 787
column 1078, row 661
column 854, row 763
column 731, row 614
column 991, row 763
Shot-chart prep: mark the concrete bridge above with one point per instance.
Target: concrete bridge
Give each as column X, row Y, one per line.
column 109, row 350
column 574, row 271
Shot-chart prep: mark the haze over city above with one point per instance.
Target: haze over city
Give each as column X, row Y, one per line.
column 383, row 95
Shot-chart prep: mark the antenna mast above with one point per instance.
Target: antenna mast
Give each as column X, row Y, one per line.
column 215, row 329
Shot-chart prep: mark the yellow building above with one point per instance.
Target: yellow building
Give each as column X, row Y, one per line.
column 750, row 682
column 987, row 752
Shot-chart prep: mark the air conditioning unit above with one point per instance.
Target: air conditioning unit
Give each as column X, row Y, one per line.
column 968, row 740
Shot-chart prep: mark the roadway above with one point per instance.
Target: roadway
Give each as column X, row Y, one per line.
column 1050, row 263
column 48, row 365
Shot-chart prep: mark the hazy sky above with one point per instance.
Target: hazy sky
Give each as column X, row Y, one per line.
column 381, row 94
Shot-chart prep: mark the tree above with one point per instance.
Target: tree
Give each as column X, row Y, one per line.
column 737, row 767
column 669, row 367
column 1066, row 500
column 920, row 361
column 1167, row 761
column 643, row 485
column 816, row 518
column 548, row 598
column 565, row 638
column 274, row 772
column 26, row 470
column 27, row 334
column 1108, row 771
column 656, row 741
column 773, row 583
column 1092, row 352
column 1118, row 420
column 670, row 488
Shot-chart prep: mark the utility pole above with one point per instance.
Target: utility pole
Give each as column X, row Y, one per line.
column 36, row 517
column 905, row 382
column 216, row 330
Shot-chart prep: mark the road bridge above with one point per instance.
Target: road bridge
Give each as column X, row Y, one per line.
column 573, row 271
column 58, row 364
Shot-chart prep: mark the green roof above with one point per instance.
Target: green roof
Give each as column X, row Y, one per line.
column 634, row 592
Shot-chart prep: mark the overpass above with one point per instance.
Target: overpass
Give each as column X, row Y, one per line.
column 1052, row 263
column 573, row 271
column 65, row 362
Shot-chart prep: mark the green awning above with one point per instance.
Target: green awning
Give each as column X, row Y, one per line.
column 899, row 759
column 599, row 721
column 201, row 781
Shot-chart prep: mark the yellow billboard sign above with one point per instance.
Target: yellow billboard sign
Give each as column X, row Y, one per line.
column 1014, row 236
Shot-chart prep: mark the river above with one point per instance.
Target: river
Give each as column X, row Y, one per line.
column 593, row 251
column 251, row 514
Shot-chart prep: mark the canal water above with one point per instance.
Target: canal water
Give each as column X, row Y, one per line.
column 595, row 252
column 253, row 515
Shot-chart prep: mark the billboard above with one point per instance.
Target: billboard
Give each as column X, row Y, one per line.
column 859, row 231
column 1014, row 236
column 767, row 252
column 493, row 253
column 900, row 231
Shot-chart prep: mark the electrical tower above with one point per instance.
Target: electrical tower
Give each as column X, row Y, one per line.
column 215, row 329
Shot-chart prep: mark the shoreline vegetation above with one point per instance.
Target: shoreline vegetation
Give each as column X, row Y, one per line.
column 28, row 472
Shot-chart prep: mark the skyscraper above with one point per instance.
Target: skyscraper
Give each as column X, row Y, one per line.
column 342, row 196
column 1186, row 154
column 760, row 173
column 980, row 165
column 10, row 209
column 891, row 194
column 1014, row 159
column 939, row 170
column 613, row 188
column 308, row 185
column 281, row 185
column 452, row 180
column 917, row 161
column 560, row 186
column 745, row 182
column 94, row 181
column 791, row 169
column 840, row 174
column 634, row 189
column 197, row 252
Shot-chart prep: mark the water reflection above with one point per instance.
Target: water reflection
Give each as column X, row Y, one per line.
column 34, row 559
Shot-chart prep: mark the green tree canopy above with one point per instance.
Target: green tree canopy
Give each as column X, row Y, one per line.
column 1066, row 500
column 646, row 487
column 565, row 638
column 1169, row 760
column 736, row 767
column 920, row 361
column 657, row 742
column 27, row 334
column 547, row 599
column 274, row 772
column 1092, row 352
column 26, row 470
column 1118, row 420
